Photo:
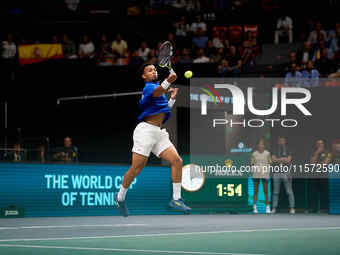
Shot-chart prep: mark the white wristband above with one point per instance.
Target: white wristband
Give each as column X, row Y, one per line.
column 165, row 84
column 171, row 102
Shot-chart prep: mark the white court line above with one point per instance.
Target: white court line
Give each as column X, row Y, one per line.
column 102, row 225
column 172, row 234
column 75, row 226
column 130, row 250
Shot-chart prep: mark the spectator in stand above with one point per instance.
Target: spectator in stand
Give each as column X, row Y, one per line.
column 17, row 154
column 67, row 154
column 23, row 41
column 182, row 29
column 324, row 65
column 120, row 46
column 293, row 78
column 41, row 154
column 135, row 59
column 319, row 38
column 184, row 57
column 226, row 47
column 303, row 55
column 215, row 58
column 9, row 49
column 86, row 49
column 336, row 156
column 309, row 27
column 336, row 60
column 332, row 33
column 310, row 76
column 72, row 5
column 103, row 47
column 179, row 5
column 209, row 50
column 335, row 75
column 69, row 49
column 104, row 60
column 249, row 47
column 312, row 39
column 232, row 64
column 334, row 42
column 117, row 60
column 194, row 6
column 55, row 39
column 321, row 47
column 159, row 44
column 152, row 57
column 284, row 27
column 171, row 39
column 143, row 51
column 337, row 53
column 198, row 24
column 200, row 40
column 292, row 59
column 320, row 157
column 193, row 51
column 218, row 41
column 201, row 57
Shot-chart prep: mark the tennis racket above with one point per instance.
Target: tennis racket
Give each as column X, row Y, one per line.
column 164, row 56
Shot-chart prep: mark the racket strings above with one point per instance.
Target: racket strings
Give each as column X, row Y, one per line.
column 164, row 54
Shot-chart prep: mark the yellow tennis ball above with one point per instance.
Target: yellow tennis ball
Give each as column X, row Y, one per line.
column 188, row 74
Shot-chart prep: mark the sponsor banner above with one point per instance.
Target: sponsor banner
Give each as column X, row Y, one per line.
column 81, row 190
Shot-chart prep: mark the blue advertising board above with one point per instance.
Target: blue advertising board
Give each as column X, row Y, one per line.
column 81, row 189
column 334, row 189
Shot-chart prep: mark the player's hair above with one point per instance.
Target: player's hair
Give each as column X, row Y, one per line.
column 281, row 137
column 141, row 69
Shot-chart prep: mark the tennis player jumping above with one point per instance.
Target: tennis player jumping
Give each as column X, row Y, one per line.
column 149, row 137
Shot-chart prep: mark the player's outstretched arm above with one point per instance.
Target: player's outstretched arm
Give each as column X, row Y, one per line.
column 159, row 91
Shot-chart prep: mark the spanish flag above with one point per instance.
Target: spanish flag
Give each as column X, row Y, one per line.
column 34, row 53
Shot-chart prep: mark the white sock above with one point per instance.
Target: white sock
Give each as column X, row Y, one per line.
column 268, row 207
column 254, row 206
column 122, row 193
column 176, row 187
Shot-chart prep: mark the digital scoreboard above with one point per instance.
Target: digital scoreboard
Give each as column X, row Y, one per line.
column 215, row 184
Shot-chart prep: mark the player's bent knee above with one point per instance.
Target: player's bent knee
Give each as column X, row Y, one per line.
column 178, row 162
column 136, row 170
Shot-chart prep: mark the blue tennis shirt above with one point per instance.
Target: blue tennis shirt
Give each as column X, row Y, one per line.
column 150, row 105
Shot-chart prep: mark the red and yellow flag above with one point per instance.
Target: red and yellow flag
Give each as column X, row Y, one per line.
column 34, row 53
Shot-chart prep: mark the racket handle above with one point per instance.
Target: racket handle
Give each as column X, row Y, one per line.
column 171, row 71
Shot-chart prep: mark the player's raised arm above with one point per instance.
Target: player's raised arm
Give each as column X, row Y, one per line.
column 159, row 91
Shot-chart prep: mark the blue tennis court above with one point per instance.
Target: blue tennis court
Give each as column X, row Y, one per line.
column 173, row 234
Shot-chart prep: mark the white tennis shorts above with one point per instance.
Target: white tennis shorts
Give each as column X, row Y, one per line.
column 149, row 138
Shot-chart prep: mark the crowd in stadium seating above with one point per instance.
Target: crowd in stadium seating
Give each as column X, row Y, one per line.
column 318, row 58
column 192, row 45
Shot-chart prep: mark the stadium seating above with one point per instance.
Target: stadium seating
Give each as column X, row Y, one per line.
column 235, row 33
column 252, row 28
column 216, row 30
